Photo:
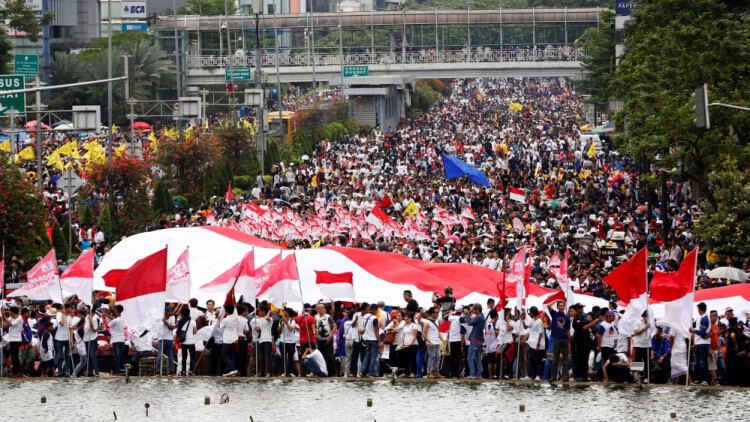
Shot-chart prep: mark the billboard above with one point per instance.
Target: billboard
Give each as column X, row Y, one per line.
column 624, row 7
column 134, row 9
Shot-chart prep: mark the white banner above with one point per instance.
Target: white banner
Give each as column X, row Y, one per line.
column 134, row 9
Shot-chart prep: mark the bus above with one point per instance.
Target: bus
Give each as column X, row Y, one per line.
column 287, row 123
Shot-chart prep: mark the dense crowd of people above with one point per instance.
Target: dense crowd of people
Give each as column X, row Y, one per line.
column 580, row 195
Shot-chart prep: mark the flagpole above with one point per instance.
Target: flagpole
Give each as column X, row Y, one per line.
column 648, row 349
column 2, row 303
column 690, row 339
column 299, row 283
column 505, row 257
column 62, row 300
column 160, row 360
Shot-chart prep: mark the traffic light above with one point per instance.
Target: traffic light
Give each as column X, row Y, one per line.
column 230, row 89
column 701, row 107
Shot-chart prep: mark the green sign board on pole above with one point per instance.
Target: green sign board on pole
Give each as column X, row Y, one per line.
column 15, row 101
column 26, row 65
column 356, row 71
column 239, row 73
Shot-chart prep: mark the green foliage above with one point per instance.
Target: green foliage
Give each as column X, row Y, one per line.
column 422, row 99
column 161, row 202
column 726, row 228
column 122, row 37
column 87, row 217
column 70, row 236
column 105, row 221
column 301, row 145
column 672, row 47
column 207, row 8
column 227, row 172
column 23, row 18
column 237, row 146
column 352, row 126
column 244, row 182
column 60, row 242
column 22, row 215
column 181, row 202
column 337, row 131
column 5, row 48
column 599, row 46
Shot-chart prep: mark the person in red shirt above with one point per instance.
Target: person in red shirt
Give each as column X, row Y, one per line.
column 713, row 348
column 306, row 324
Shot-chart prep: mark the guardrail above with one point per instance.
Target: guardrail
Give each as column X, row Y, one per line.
column 421, row 57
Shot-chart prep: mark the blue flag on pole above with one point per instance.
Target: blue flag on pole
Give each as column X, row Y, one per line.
column 457, row 168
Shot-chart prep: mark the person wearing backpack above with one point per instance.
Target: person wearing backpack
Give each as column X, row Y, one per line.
column 324, row 334
column 186, row 330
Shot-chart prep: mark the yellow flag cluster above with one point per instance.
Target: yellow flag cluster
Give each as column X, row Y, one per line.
column 514, row 106
column 171, row 133
column 70, row 149
column 54, row 160
column 411, row 209
column 26, row 154
column 5, row 146
column 95, row 152
column 189, row 133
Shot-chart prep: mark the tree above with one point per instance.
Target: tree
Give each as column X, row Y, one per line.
column 87, row 217
column 237, row 145
column 22, row 215
column 126, row 182
column 187, row 164
column 71, row 239
column 23, row 18
column 599, row 60
column 105, row 220
column 207, row 8
column 60, row 242
column 672, row 47
column 161, row 200
column 726, row 228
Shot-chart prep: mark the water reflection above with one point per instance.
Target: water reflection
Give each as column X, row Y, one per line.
column 294, row 400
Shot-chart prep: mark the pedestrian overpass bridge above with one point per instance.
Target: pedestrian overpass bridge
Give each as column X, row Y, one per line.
column 420, row 43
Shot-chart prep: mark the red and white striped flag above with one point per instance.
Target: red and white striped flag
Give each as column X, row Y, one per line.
column 517, row 195
column 629, row 280
column 277, row 281
column 229, row 195
column 468, row 213
column 240, row 277
column 141, row 292
column 675, row 291
column 336, row 286
column 378, row 218
column 178, row 279
column 78, row 278
column 43, row 281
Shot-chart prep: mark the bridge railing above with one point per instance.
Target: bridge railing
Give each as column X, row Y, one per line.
column 479, row 55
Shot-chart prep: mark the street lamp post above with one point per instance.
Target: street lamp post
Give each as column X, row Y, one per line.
column 231, row 67
column 260, row 144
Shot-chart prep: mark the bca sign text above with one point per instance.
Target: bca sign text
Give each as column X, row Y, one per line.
column 134, row 9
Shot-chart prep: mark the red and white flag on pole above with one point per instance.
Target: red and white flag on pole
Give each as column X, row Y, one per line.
column 141, row 293
column 518, row 275
column 517, row 195
column 178, row 279
column 336, row 286
column 561, row 274
column 229, row 195
column 277, row 281
column 675, row 291
column 79, row 277
column 378, row 218
column 468, row 213
column 240, row 277
column 554, row 261
column 43, row 281
column 629, row 281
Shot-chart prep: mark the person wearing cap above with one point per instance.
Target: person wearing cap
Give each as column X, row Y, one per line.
column 606, row 336
column 702, row 339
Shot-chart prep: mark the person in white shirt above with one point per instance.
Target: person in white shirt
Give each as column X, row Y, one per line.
column 228, row 325
column 537, row 344
column 15, row 327
column 521, row 330
column 46, row 349
column 166, row 338
column 117, row 338
column 263, row 325
column 243, row 336
column 504, row 339
column 490, row 343
column 194, row 311
column 433, row 338
column 90, row 335
column 456, row 338
column 641, row 339
column 189, row 327
column 314, row 361
column 62, row 340
column 287, row 330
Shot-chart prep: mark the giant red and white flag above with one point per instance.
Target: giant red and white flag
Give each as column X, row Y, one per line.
column 141, row 292
column 277, row 281
column 517, row 195
column 79, row 277
column 378, row 218
column 675, row 291
column 178, row 279
column 336, row 286
column 43, row 281
column 630, row 283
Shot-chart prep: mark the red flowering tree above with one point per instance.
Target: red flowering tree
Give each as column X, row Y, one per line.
column 126, row 183
column 186, row 162
column 22, row 215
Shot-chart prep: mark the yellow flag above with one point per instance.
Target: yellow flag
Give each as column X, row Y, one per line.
column 152, row 137
column 121, row 149
column 114, row 129
column 411, row 209
column 592, row 150
column 5, row 146
column 27, row 154
column 171, row 133
column 189, row 134
column 206, row 126
column 315, row 245
column 514, row 106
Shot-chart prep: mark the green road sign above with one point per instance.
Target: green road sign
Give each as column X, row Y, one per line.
column 239, row 73
column 356, row 71
column 16, row 101
column 26, row 65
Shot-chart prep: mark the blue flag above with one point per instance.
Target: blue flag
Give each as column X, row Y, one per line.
column 457, row 168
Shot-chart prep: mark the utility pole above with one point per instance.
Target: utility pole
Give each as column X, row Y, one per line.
column 231, row 67
column 260, row 142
